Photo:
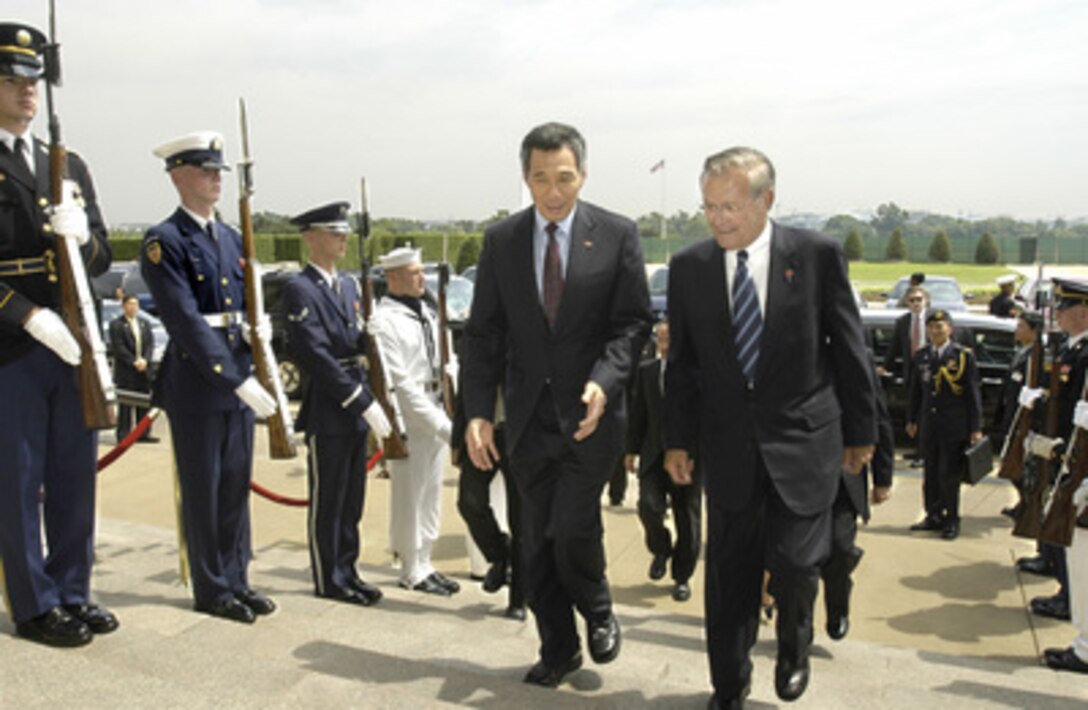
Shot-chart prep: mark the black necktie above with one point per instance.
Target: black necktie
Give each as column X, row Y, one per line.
column 553, row 275
column 19, row 149
column 747, row 320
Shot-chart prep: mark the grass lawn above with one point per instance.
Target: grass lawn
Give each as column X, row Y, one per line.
column 882, row 275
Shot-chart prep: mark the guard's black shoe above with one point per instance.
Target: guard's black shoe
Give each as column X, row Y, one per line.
column 430, row 585
column 658, row 566
column 838, row 625
column 348, row 596
column 97, row 619
column 515, row 612
column 718, row 702
column 55, row 627
column 604, row 639
column 1036, row 565
column 681, row 592
column 1064, row 659
column 542, row 674
column 372, row 593
column 1055, row 607
column 257, row 602
column 231, row 609
column 951, row 530
column 926, row 524
column 446, row 582
column 790, row 680
column 496, row 576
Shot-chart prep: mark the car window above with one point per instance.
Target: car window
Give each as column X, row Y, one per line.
column 944, row 291
column 993, row 347
column 881, row 336
column 659, row 282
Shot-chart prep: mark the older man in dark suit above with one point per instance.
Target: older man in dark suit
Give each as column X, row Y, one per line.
column 765, row 386
column 560, row 312
column 132, row 343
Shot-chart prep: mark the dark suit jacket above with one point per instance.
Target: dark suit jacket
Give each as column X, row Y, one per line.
column 810, row 395
column 323, row 330
column 882, row 467
column 644, row 432
column 897, row 358
column 123, row 342
column 604, row 319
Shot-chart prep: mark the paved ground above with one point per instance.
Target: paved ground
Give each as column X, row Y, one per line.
column 934, row 624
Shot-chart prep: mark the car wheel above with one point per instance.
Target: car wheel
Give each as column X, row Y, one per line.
column 290, row 378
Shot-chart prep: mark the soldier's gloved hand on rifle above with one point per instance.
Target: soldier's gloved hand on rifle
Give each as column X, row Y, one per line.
column 453, row 370
column 1028, row 396
column 264, row 330
column 1080, row 414
column 256, row 397
column 373, row 325
column 377, row 421
column 68, row 218
column 47, row 328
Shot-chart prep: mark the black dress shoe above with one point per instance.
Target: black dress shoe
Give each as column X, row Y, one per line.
column 1055, row 607
column 231, row 609
column 717, row 702
column 446, row 582
column 838, row 625
column 681, row 592
column 658, row 566
column 1036, row 565
column 97, row 619
column 542, row 674
column 790, row 680
column 258, row 603
column 368, row 590
column 148, row 440
column 495, row 577
column 515, row 612
column 951, row 530
column 604, row 639
column 430, row 585
column 55, row 627
column 1064, row 659
column 348, row 596
column 927, row 523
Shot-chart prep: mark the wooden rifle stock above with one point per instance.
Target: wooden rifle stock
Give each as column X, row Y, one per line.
column 443, row 340
column 394, row 446
column 1037, row 474
column 1012, row 456
column 280, row 428
column 1059, row 515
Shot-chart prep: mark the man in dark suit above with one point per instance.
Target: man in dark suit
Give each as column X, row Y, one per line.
column 909, row 334
column 762, row 388
column 323, row 313
column 656, row 491
column 560, row 310
column 132, row 343
column 47, row 483
column 193, row 265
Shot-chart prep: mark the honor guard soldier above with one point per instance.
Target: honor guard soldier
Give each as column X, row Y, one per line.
column 407, row 332
column 193, row 265
column 50, row 469
column 945, row 408
column 323, row 312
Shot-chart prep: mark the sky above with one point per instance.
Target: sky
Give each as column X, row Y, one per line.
column 962, row 107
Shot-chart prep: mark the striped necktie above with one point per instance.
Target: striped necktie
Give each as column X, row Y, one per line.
column 747, row 321
column 553, row 276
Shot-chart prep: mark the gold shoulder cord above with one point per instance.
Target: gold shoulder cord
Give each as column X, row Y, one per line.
column 952, row 380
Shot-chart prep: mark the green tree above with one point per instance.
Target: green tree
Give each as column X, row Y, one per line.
column 889, row 217
column 940, row 249
column 853, row 246
column 987, row 251
column 468, row 255
column 499, row 216
column 897, row 247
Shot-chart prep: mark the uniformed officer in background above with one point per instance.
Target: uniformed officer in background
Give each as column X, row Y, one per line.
column 50, row 469
column 407, row 332
column 193, row 265
column 323, row 312
column 945, row 409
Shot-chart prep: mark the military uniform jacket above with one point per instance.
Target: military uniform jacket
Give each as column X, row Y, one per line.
column 125, row 374
column 323, row 331
column 1072, row 365
column 25, row 233
column 190, row 275
column 945, row 400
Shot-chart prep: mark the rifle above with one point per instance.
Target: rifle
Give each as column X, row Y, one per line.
column 1036, row 473
column 443, row 342
column 395, row 446
column 1012, row 455
column 1059, row 515
column 98, row 398
column 281, row 433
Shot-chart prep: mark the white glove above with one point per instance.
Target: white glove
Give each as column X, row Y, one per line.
column 47, row 328
column 1028, row 395
column 453, row 370
column 1080, row 496
column 264, row 330
column 373, row 325
column 1080, row 414
column 68, row 218
column 377, row 421
column 256, row 397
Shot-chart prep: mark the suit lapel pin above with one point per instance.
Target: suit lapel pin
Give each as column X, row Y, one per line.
column 587, row 244
column 789, row 276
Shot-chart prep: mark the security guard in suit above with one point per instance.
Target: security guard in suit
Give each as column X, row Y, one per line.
column 946, row 410
column 50, row 469
column 323, row 313
column 132, row 343
column 193, row 265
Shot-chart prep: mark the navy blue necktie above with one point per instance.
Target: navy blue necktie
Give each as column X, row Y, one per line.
column 747, row 320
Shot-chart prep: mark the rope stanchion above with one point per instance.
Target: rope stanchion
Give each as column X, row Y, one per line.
column 126, row 443
column 301, row 502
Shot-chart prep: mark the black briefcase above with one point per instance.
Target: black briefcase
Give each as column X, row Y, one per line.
column 979, row 461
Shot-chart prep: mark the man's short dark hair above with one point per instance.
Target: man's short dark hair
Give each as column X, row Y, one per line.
column 554, row 136
column 129, row 297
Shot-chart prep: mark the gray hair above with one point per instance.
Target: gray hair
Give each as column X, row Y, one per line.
column 753, row 163
column 553, row 136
